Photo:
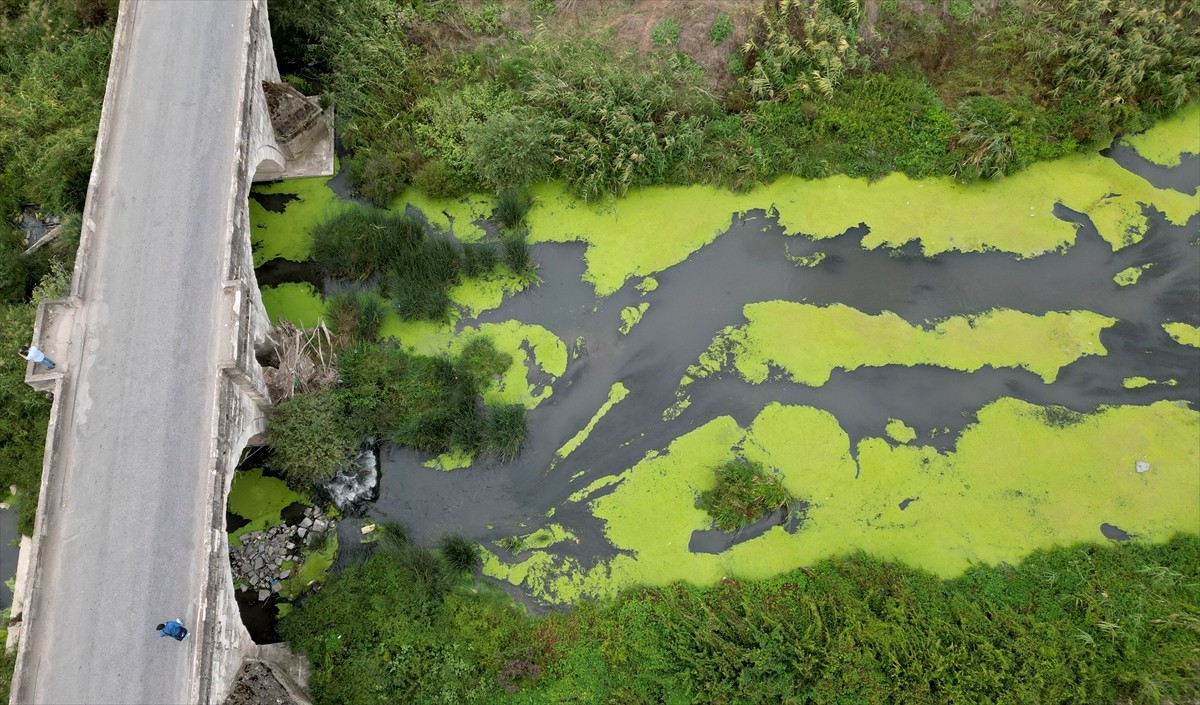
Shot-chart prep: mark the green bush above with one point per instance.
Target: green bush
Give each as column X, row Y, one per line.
column 516, row 253
column 311, row 438
column 801, row 47
column 1078, row 624
column 721, row 29
column 665, row 32
column 744, row 493
column 512, row 149
column 24, row 415
column 429, row 403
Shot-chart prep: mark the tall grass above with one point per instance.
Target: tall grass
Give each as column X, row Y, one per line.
column 511, row 207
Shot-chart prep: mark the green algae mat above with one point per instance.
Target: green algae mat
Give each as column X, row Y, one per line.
column 940, row 373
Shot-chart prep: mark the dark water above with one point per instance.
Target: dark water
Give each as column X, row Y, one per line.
column 700, row 296
column 8, row 554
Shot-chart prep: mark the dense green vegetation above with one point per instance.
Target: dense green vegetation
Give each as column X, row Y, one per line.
column 1082, row 624
column 431, row 94
column 430, row 403
column 744, row 492
column 53, row 65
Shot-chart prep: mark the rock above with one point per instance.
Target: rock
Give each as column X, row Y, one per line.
column 275, row 586
column 1142, row 466
column 290, row 545
column 263, row 595
column 301, row 532
column 319, row 526
column 285, row 574
column 367, row 529
column 306, row 523
column 244, row 538
column 258, row 563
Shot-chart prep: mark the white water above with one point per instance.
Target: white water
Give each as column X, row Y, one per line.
column 355, row 483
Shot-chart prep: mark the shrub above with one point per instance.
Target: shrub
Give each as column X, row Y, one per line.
column 721, row 29
column 744, row 493
column 512, row 149
column 665, row 32
column 311, row 439
column 512, row 205
column 479, row 258
column 461, row 555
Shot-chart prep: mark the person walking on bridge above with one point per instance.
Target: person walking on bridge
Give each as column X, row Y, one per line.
column 31, row 353
column 173, row 629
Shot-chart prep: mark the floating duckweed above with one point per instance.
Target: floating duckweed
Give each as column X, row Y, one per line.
column 991, row 499
column 438, row 212
column 259, row 500
column 808, row 342
column 1139, row 382
column 631, row 315
column 298, row 302
column 1169, row 139
column 616, row 393
column 647, row 285
column 655, row 228
column 899, row 431
column 452, row 460
column 289, row 234
column 1183, row 333
column 1130, row 275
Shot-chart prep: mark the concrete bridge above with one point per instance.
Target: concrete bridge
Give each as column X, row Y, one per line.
column 157, row 389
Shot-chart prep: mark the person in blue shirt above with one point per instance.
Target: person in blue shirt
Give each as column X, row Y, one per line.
column 173, row 629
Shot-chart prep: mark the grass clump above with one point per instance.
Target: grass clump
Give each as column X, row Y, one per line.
column 355, row 315
column 460, row 554
column 744, row 493
column 1077, row 624
column 413, row 270
column 512, row 205
column 721, row 29
column 665, row 32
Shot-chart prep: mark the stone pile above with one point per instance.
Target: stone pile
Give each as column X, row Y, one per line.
column 258, row 562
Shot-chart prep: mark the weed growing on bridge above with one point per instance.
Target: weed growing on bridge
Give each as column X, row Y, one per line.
column 1079, row 624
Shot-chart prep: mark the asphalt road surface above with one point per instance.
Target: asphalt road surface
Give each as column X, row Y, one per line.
column 125, row 544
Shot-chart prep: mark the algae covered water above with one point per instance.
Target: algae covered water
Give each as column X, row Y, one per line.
column 941, row 374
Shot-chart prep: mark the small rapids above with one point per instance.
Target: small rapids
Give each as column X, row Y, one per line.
column 356, row 484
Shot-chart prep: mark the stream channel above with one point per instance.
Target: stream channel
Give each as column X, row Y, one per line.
column 753, row 262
